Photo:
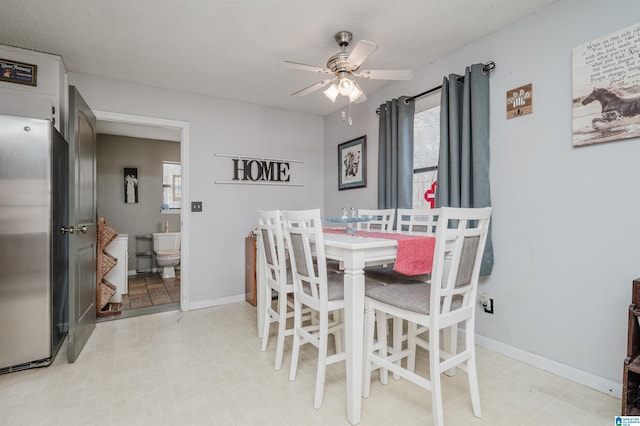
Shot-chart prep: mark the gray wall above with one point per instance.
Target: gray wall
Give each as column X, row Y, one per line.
column 144, row 217
column 565, row 225
column 212, row 263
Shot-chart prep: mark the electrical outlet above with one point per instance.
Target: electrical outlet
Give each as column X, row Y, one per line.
column 489, row 308
column 196, row 206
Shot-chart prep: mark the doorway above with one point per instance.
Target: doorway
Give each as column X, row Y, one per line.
column 158, row 128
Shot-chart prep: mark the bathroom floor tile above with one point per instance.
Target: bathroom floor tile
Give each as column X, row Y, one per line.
column 151, row 290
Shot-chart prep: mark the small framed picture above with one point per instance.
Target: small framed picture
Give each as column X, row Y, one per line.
column 352, row 163
column 18, row 72
column 130, row 185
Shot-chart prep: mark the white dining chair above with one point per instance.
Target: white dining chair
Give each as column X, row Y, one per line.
column 278, row 280
column 417, row 221
column 447, row 301
column 421, row 221
column 380, row 219
column 315, row 289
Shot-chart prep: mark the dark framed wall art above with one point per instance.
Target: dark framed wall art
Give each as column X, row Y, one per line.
column 352, row 163
column 130, row 185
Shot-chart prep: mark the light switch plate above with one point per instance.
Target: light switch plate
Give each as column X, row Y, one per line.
column 196, row 206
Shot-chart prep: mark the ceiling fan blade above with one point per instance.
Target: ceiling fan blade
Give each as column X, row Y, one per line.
column 305, row 67
column 312, row 88
column 385, row 74
column 361, row 52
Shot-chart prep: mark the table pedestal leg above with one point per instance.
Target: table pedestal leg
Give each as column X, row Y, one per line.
column 354, row 324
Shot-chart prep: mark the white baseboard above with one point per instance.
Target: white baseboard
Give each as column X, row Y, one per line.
column 570, row 373
column 215, row 302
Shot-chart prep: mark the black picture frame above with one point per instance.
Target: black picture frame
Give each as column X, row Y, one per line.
column 130, row 185
column 18, row 72
column 352, row 163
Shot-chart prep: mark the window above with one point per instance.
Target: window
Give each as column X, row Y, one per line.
column 171, row 185
column 426, row 145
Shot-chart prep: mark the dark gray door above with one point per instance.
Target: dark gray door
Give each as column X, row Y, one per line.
column 82, row 215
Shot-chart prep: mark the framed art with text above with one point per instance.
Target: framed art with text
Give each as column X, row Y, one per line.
column 18, row 72
column 606, row 88
column 352, row 163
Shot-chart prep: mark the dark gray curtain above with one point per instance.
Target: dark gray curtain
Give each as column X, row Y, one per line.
column 463, row 164
column 395, row 154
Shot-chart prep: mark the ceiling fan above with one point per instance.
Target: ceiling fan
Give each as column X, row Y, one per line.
column 344, row 66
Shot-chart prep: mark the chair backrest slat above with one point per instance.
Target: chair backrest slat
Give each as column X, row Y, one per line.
column 270, row 225
column 461, row 235
column 381, row 219
column 418, row 220
column 303, row 233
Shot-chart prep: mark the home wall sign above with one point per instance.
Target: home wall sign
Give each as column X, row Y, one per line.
column 247, row 170
column 520, row 101
column 18, row 72
column 606, row 88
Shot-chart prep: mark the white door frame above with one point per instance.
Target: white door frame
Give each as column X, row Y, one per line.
column 183, row 126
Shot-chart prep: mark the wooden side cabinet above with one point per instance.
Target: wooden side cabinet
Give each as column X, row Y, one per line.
column 250, row 281
column 631, row 377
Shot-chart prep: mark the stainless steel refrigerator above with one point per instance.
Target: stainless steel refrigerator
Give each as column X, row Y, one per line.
column 33, row 251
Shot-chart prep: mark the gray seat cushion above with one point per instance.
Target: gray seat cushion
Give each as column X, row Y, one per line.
column 389, row 276
column 335, row 286
column 411, row 297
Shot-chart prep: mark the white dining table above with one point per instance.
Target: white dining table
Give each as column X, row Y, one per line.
column 355, row 252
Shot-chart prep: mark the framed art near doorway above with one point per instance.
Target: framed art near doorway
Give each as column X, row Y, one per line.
column 130, row 185
column 352, row 163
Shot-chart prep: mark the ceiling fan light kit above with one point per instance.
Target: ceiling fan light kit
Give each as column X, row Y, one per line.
column 345, row 85
column 344, row 66
column 356, row 93
column 332, row 92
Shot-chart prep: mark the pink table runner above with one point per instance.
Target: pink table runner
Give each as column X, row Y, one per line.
column 415, row 252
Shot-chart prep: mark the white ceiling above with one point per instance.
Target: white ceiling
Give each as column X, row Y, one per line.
column 235, row 49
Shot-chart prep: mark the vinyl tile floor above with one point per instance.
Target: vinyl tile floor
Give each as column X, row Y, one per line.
column 205, row 367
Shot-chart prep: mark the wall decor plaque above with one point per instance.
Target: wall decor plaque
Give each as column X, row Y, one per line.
column 606, row 88
column 520, row 101
column 252, row 170
column 18, row 72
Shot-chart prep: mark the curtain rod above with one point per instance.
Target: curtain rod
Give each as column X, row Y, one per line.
column 487, row 68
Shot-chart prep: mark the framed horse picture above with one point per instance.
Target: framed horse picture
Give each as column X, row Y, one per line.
column 606, row 88
column 352, row 164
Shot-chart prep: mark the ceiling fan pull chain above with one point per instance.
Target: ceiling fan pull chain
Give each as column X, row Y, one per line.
column 347, row 118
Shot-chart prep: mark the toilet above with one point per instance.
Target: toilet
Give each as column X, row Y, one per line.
column 166, row 246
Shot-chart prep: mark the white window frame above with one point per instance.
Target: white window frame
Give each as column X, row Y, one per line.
column 174, row 205
column 422, row 104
